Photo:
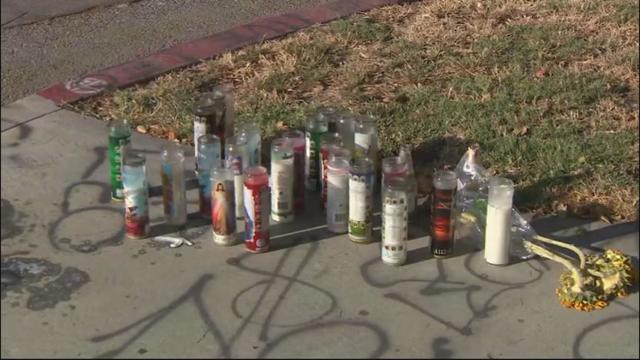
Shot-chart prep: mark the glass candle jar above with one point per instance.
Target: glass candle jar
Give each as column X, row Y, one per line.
column 173, row 185
column 328, row 142
column 136, row 194
column 297, row 139
column 208, row 157
column 236, row 159
column 251, row 132
column 256, row 209
column 338, row 195
column 119, row 137
column 223, row 211
column 442, row 213
column 282, row 170
column 498, row 228
column 395, row 221
column 315, row 127
column 361, row 177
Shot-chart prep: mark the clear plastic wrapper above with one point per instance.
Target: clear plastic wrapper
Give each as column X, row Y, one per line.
column 471, row 205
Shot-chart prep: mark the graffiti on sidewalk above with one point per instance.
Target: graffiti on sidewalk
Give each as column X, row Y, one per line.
column 275, row 333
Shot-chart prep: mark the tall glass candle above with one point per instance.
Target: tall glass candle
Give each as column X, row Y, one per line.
column 173, row 185
column 136, row 194
column 208, row 157
column 366, row 143
column 251, row 131
column 282, row 180
column 338, row 195
column 256, row 208
column 345, row 127
column 236, row 159
column 405, row 154
column 361, row 200
column 498, row 230
column 316, row 126
column 223, row 211
column 119, row 137
column 328, row 142
column 395, row 221
column 442, row 215
column 331, row 114
column 209, row 112
column 297, row 139
column 366, row 138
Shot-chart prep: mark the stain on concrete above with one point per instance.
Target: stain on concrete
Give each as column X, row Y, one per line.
column 35, row 276
column 57, row 290
column 11, row 220
column 363, row 313
column 142, row 351
column 85, row 247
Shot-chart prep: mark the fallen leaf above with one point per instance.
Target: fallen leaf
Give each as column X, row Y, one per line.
column 171, row 135
column 542, row 72
column 281, row 125
column 521, row 131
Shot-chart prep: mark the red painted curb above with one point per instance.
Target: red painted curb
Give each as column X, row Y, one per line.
column 190, row 53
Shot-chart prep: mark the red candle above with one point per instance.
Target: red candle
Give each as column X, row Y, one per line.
column 257, row 208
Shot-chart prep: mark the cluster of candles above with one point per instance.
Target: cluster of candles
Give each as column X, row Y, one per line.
column 336, row 156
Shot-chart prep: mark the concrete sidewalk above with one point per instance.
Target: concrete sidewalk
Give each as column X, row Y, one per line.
column 88, row 291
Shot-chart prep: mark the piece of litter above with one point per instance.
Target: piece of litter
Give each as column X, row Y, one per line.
column 174, row 242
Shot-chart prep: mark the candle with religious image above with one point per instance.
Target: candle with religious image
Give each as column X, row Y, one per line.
column 256, row 209
column 223, row 217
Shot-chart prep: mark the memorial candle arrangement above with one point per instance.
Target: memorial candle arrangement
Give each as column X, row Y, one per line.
column 233, row 186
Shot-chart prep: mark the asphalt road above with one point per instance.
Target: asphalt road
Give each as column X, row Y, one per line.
column 56, row 48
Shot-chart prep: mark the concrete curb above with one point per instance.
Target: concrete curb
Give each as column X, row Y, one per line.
column 192, row 52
